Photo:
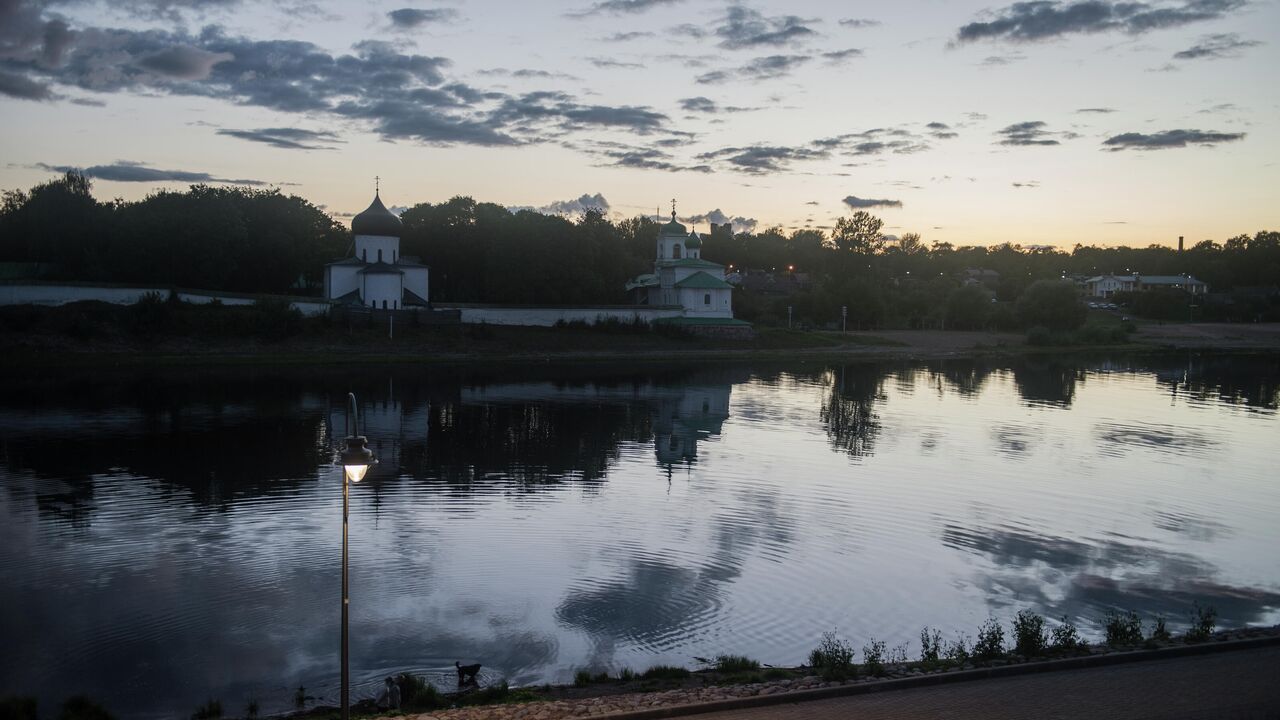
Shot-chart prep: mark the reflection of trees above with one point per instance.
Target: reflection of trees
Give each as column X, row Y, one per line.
column 965, row 377
column 1249, row 380
column 848, row 410
column 1047, row 381
column 1085, row 579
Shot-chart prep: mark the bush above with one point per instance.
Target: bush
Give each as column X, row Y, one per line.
column 990, row 642
column 958, row 651
column 417, row 694
column 1065, row 636
column 833, row 657
column 1039, row 336
column 1160, row 633
column 626, row 674
column 1028, row 634
column 1123, row 629
column 930, row 646
column 1051, row 303
column 736, row 663
column 582, row 678
column 18, row 708
column 665, row 672
column 211, row 710
column 1202, row 624
column 873, row 657
column 82, row 708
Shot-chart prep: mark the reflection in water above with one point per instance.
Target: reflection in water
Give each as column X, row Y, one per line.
column 171, row 536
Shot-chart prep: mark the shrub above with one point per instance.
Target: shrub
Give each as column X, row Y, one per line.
column 418, row 694
column 582, row 678
column 1202, row 624
column 833, row 657
column 873, row 657
column 626, row 674
column 930, row 646
column 736, row 663
column 251, row 709
column 776, row 674
column 1160, row 633
column 897, row 655
column 1123, row 629
column 18, row 708
column 958, row 651
column 1051, row 303
column 1028, row 634
column 665, row 672
column 210, row 710
column 82, row 708
column 990, row 642
column 1065, row 636
column 300, row 697
column 1039, row 336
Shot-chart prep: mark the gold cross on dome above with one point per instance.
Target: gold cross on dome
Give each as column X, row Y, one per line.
column 376, row 180
column 673, row 207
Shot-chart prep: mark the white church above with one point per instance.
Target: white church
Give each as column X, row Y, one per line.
column 377, row 276
column 681, row 277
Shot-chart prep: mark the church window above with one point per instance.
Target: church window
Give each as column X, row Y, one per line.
column 379, row 254
column 364, row 254
column 706, row 299
column 384, row 304
column 675, row 251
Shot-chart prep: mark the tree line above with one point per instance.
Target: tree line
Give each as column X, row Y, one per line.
column 241, row 239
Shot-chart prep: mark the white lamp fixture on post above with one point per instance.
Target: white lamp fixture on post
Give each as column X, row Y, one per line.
column 356, row 459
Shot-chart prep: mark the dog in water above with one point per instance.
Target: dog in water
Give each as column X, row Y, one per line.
column 467, row 673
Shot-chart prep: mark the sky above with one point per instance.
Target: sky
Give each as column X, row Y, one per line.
column 1039, row 123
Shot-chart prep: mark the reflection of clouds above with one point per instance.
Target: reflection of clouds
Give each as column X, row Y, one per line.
column 1192, row 526
column 1116, row 439
column 1013, row 441
column 1059, row 576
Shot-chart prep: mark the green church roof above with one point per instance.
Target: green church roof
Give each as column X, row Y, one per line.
column 703, row 281
column 674, row 227
column 690, row 262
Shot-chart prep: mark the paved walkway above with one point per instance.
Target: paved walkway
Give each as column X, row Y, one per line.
column 1240, row 685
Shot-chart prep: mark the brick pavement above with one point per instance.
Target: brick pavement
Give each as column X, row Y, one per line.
column 1240, row 685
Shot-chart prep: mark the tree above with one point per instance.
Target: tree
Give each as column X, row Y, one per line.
column 1053, row 304
column 859, row 233
column 968, row 308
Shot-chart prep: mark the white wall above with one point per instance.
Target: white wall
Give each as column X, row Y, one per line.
column 371, row 244
column 341, row 279
column 549, row 316
column 54, row 295
column 692, row 299
column 416, row 281
column 382, row 287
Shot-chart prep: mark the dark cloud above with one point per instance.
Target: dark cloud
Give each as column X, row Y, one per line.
column 1168, row 139
column 740, row 224
column 601, row 62
column 183, row 62
column 1047, row 19
column 761, row 159
column 641, row 158
column 858, row 203
column 876, row 141
column 699, row 104
column 1001, row 60
column 838, row 56
column 622, row 7
column 1213, row 47
column 23, row 88
column 941, row 131
column 576, row 206
column 285, row 138
column 1099, row 110
column 1027, row 184
column 1033, row 132
column 125, row 171
column 627, row 36
column 528, row 74
column 743, row 28
column 410, row 18
column 858, row 23
column 761, row 68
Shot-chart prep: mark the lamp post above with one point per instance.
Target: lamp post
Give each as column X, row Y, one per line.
column 356, row 459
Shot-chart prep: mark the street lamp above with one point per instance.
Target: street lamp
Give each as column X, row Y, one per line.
column 355, row 459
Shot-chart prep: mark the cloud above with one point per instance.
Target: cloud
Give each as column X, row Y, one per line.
column 1047, row 19
column 858, row 203
column 622, row 7
column 1001, row 60
column 23, row 88
column 740, row 224
column 699, row 104
column 941, row 131
column 126, row 171
column 759, row 159
column 1213, row 47
column 411, row 18
column 744, row 28
column 761, row 68
column 576, row 206
column 1027, row 184
column 1027, row 133
column 183, row 62
column 876, row 141
column 601, row 62
column 641, row 158
column 1099, row 110
column 839, row 56
column 285, row 138
column 628, row 36
column 1168, row 139
column 858, row 23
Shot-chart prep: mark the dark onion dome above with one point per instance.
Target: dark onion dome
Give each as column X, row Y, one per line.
column 674, row 227
column 694, row 242
column 377, row 220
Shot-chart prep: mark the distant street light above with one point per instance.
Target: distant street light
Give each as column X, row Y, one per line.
column 356, row 459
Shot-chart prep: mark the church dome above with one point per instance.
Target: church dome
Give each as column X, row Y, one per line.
column 674, row 227
column 694, row 242
column 376, row 220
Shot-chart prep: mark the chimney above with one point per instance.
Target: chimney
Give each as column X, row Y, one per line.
column 1179, row 244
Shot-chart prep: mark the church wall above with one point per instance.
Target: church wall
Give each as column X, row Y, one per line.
column 367, row 247
column 53, row 295
column 692, row 299
column 549, row 316
column 341, row 279
column 382, row 287
column 416, row 281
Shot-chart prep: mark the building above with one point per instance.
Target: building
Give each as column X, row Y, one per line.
column 377, row 275
column 1104, row 286
column 682, row 278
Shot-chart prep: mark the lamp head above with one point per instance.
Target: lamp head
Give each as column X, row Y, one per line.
column 356, row 458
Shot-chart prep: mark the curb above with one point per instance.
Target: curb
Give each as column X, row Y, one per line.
column 1075, row 663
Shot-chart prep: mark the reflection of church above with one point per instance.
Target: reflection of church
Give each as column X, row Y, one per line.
column 393, row 428
column 680, row 422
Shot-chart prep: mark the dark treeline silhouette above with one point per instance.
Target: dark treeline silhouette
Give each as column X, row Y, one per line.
column 263, row 241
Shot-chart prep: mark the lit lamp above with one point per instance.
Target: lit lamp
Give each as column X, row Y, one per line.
column 355, row 459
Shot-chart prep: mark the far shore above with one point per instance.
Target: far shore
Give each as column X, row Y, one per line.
column 499, row 345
